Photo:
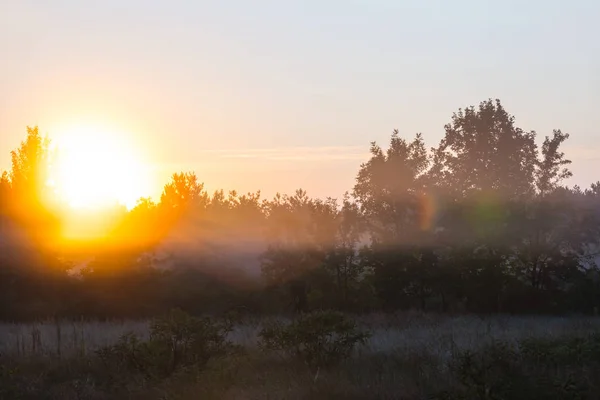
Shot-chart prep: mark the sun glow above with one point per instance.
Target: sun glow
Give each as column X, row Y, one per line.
column 97, row 168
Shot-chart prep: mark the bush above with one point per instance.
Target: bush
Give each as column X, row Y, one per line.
column 490, row 373
column 177, row 341
column 129, row 355
column 8, row 381
column 561, row 368
column 562, row 351
column 320, row 338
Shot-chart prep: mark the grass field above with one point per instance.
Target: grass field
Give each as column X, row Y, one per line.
column 407, row 356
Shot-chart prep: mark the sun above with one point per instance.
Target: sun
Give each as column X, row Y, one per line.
column 96, row 167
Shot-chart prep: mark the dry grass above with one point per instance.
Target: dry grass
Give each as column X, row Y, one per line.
column 406, row 332
column 64, row 338
column 406, row 357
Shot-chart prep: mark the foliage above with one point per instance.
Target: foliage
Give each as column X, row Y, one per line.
column 562, row 351
column 8, row 382
column 491, row 358
column 320, row 339
column 177, row 341
column 481, row 223
column 483, row 150
column 390, row 188
column 486, row 374
column 537, row 368
column 183, row 191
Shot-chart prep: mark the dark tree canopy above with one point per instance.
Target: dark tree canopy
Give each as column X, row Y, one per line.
column 483, row 150
column 481, row 223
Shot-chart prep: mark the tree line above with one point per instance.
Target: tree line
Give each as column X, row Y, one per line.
column 482, row 223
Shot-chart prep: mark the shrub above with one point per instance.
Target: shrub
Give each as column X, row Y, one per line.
column 561, row 368
column 185, row 340
column 177, row 341
column 562, row 351
column 320, row 338
column 8, row 382
column 490, row 373
column 129, row 354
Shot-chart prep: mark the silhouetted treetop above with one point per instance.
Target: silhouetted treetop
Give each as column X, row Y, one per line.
column 482, row 223
column 551, row 169
column 390, row 187
column 483, row 150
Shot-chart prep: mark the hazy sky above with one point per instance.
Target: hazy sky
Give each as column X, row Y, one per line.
column 277, row 95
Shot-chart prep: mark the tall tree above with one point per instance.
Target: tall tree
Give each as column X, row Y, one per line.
column 484, row 151
column 29, row 193
column 391, row 186
column 183, row 192
column 30, row 165
column 301, row 232
column 33, row 273
column 4, row 193
column 551, row 168
column 344, row 261
column 546, row 249
column 392, row 190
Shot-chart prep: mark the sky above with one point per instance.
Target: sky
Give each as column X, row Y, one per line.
column 280, row 95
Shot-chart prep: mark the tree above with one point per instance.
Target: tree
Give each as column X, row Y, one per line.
column 483, row 151
column 4, row 193
column 344, row 260
column 183, row 192
column 301, row 234
column 27, row 193
column 483, row 221
column 30, row 165
column 141, row 229
column 183, row 202
column 33, row 275
column 551, row 170
column 508, row 196
column 392, row 189
column 545, row 249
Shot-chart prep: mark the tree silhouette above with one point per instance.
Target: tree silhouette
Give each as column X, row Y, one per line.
column 551, row 170
column 344, row 260
column 482, row 223
column 183, row 192
column 483, row 150
column 33, row 274
column 392, row 189
column 26, row 189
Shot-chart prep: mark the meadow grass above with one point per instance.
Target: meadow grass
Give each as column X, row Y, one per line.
column 406, row 357
column 435, row 334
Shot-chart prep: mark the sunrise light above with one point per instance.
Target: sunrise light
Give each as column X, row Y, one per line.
column 97, row 167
